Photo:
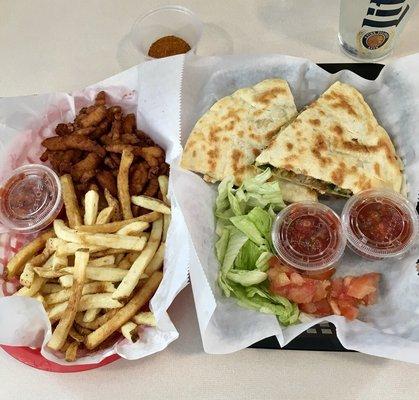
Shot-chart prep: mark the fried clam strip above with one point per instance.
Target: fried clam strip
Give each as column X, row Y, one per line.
column 130, row 281
column 17, row 262
column 73, row 142
column 123, row 315
column 123, row 183
column 87, row 302
column 88, row 288
column 113, row 227
column 108, row 240
column 70, row 201
column 60, row 333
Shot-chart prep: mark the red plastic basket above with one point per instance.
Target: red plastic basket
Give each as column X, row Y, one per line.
column 34, row 359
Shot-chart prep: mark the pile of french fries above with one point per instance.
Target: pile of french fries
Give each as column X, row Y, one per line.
column 96, row 272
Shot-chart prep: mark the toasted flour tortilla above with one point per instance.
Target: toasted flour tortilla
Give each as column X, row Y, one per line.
column 336, row 146
column 231, row 134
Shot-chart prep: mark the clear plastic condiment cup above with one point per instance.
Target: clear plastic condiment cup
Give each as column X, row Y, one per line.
column 30, row 199
column 308, row 236
column 380, row 223
column 166, row 21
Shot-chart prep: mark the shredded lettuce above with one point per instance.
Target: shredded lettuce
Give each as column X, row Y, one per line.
column 244, row 247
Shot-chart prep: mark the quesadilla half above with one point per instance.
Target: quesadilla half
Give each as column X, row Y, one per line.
column 227, row 139
column 336, row 146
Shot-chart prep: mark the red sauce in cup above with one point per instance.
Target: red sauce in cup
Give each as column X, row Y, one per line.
column 379, row 224
column 30, row 199
column 308, row 236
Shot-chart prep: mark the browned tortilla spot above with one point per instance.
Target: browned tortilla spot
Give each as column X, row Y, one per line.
column 321, row 112
column 257, row 113
column 342, row 103
column 288, row 167
column 226, row 139
column 338, row 174
column 232, row 114
column 271, row 134
column 320, row 143
column 230, row 126
column 377, row 169
column 291, row 158
column 269, row 95
column 298, row 134
column 240, row 134
column 194, row 153
column 314, row 122
column 289, row 146
column 254, row 137
column 338, row 130
column 255, row 151
column 213, row 135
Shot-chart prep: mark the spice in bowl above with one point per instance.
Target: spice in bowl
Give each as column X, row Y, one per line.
column 168, row 46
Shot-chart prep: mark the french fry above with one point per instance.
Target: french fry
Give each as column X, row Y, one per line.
column 83, row 331
column 70, row 201
column 87, row 302
column 49, row 272
column 109, row 240
column 129, row 331
column 71, row 351
column 113, row 227
column 166, row 222
column 151, row 204
column 63, row 248
column 40, row 298
column 157, row 261
column 105, row 215
column 164, row 187
column 91, row 315
column 124, row 314
column 104, row 274
column 76, row 335
column 108, row 252
column 99, row 321
column 112, row 202
column 91, row 204
column 60, row 333
column 130, row 281
column 31, row 291
column 145, row 318
column 59, row 261
column 49, row 288
column 123, row 183
column 88, row 288
column 18, row 261
column 27, row 276
column 66, row 281
column 102, row 261
column 133, row 228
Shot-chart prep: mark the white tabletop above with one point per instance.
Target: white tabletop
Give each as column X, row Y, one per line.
column 62, row 45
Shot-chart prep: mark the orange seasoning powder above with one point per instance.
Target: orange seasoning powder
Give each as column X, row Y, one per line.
column 168, row 46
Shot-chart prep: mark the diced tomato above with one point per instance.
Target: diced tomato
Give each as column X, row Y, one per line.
column 361, row 286
column 319, row 308
column 348, row 309
column 321, row 276
column 276, row 263
column 321, row 297
column 296, row 279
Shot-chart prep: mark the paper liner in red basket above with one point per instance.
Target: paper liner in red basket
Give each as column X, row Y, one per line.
column 27, row 121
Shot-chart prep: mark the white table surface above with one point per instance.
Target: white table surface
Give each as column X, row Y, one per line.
column 63, row 45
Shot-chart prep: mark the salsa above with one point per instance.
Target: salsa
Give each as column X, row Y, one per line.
column 308, row 236
column 30, row 198
column 380, row 223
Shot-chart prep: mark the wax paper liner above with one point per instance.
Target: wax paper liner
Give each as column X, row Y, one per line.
column 24, row 123
column 388, row 329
